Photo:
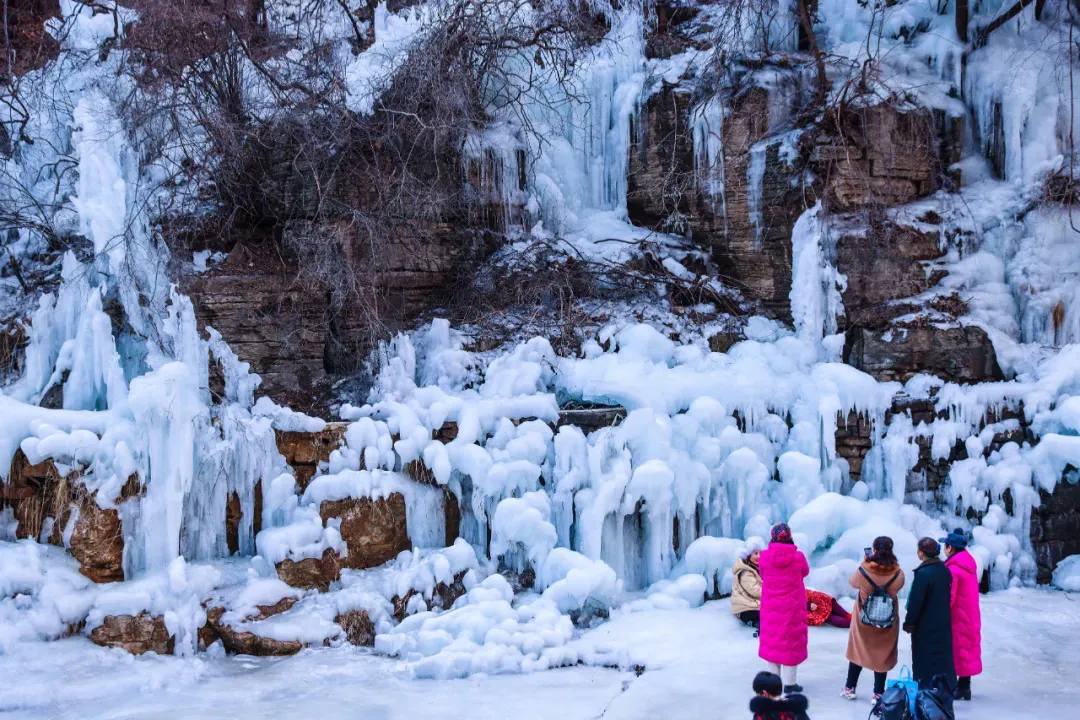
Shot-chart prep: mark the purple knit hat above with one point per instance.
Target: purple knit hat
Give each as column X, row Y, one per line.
column 781, row 533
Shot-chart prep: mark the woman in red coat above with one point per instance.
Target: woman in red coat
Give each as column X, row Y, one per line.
column 822, row 608
column 964, row 605
column 783, row 638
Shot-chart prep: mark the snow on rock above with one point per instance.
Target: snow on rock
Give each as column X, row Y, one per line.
column 1067, row 574
column 577, row 585
column 713, row 558
column 171, row 598
column 522, row 534
column 258, row 594
column 376, row 512
column 285, row 419
column 428, row 572
column 42, row 594
column 485, row 633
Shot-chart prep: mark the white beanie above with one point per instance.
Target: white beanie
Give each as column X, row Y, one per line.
column 751, row 544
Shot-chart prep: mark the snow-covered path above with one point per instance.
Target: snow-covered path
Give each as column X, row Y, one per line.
column 700, row 666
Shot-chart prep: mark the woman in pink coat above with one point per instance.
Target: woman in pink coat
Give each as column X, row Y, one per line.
column 783, row 638
column 964, row 604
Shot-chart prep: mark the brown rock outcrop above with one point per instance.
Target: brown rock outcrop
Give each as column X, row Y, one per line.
column 37, row 492
column 241, row 642
column 373, row 529
column 883, row 262
column 879, row 155
column 268, row 320
column 452, row 509
column 208, row 633
column 956, row 354
column 311, row 573
column 246, row 643
column 31, row 491
column 1055, row 528
column 303, row 451
column 861, row 159
column 97, row 536
column 444, row 597
column 592, row 418
column 665, row 192
column 283, row 322
column 358, row 627
column 234, row 513
column 137, row 634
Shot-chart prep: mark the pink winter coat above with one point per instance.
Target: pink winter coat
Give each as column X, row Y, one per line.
column 966, row 619
column 783, row 605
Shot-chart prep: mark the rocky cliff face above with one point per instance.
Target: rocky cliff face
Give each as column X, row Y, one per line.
column 666, row 192
column 58, row 509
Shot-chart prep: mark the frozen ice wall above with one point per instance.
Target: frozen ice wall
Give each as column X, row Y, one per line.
column 715, row 447
column 135, row 390
column 573, row 135
column 681, row 464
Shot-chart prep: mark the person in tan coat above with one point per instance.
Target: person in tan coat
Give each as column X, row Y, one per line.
column 874, row 648
column 746, row 586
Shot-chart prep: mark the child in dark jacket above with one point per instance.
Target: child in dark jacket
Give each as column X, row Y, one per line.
column 769, row 703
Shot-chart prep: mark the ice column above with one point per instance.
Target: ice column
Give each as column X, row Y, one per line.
column 754, row 176
column 708, row 128
column 815, row 284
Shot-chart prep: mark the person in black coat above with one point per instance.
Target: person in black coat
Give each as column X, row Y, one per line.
column 769, row 703
column 929, row 619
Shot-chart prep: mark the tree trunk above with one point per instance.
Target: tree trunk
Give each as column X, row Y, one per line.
column 805, row 18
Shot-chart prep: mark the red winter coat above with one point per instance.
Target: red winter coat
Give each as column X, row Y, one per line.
column 783, row 605
column 824, row 607
column 966, row 619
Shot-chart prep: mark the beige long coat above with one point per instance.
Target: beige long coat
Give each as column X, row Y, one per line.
column 746, row 589
column 870, row 647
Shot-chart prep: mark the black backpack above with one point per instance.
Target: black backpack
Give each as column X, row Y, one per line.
column 936, row 701
column 879, row 608
column 894, row 704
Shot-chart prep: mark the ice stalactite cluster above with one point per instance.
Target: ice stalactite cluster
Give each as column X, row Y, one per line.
column 572, row 147
column 679, row 463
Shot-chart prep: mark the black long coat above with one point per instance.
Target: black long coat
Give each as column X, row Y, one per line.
column 929, row 620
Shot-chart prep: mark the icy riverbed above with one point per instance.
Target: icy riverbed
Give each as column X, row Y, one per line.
column 699, row 664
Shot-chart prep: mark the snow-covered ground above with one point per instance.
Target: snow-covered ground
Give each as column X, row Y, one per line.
column 699, row 664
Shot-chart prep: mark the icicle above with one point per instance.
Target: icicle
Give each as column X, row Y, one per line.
column 112, row 214
column 55, row 322
column 95, row 381
column 169, row 413
column 900, row 455
column 815, row 284
column 754, row 175
column 708, row 128
column 240, row 382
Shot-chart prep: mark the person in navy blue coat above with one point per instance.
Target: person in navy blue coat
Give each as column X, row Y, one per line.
column 929, row 618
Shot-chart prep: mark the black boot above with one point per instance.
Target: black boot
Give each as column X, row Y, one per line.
column 789, row 689
column 961, row 693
